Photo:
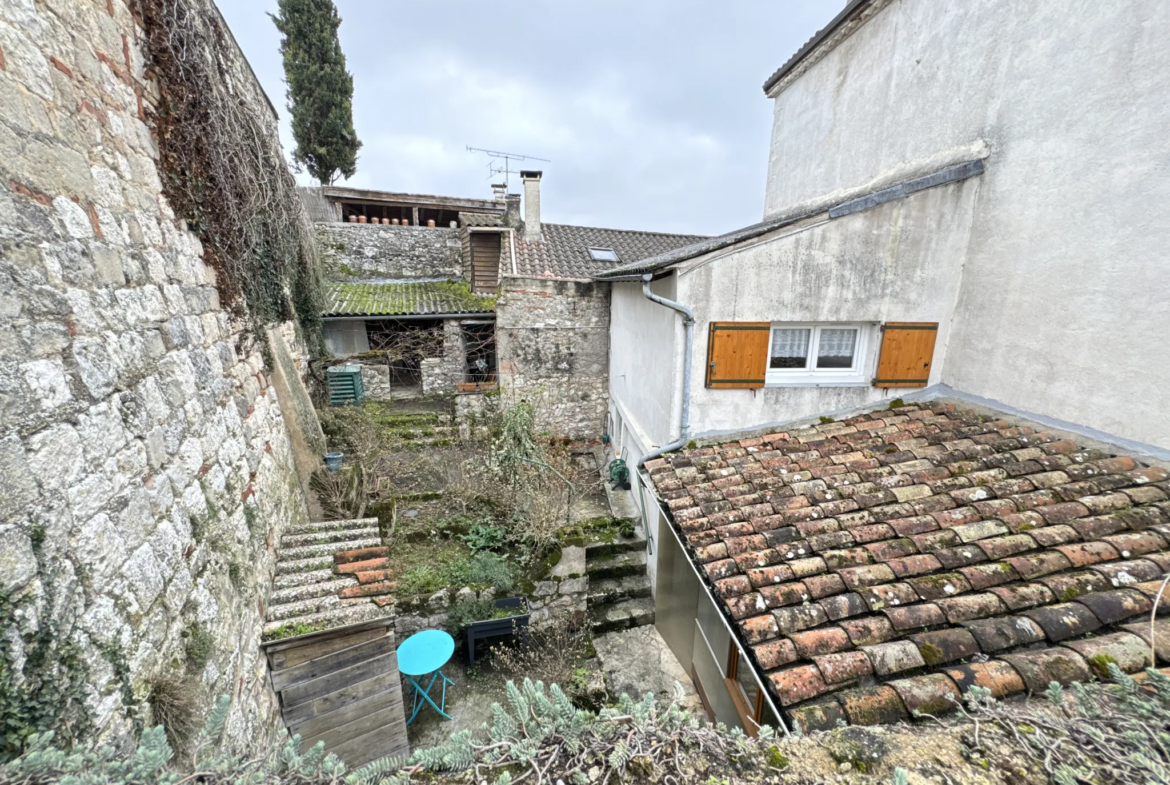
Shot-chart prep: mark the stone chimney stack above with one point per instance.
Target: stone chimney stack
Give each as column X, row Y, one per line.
column 512, row 210
column 498, row 191
column 532, row 206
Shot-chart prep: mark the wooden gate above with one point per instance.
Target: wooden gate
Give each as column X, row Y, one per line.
column 341, row 686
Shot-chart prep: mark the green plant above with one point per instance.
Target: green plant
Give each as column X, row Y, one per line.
column 492, row 570
column 422, row 580
column 897, row 403
column 1109, row 733
column 42, row 682
column 152, row 761
column 199, row 648
column 320, row 90
column 627, row 527
column 826, row 420
column 292, row 630
column 484, row 537
column 462, row 613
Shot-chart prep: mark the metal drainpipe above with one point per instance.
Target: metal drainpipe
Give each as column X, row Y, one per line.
column 685, row 419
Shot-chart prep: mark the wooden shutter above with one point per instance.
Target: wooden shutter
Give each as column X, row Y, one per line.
column 485, row 262
column 907, row 352
column 737, row 354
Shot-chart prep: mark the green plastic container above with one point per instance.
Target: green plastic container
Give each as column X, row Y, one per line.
column 345, row 385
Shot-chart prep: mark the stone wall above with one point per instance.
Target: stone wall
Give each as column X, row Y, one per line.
column 441, row 374
column 552, row 340
column 376, row 382
column 145, row 469
column 376, row 251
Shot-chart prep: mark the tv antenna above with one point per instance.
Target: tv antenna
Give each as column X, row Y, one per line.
column 506, row 169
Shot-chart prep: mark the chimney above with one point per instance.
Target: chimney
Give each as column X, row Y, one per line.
column 498, row 191
column 512, row 210
column 532, row 206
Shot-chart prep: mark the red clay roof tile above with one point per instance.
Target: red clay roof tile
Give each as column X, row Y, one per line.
column 865, row 524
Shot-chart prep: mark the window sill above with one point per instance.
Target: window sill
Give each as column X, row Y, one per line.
column 818, row 383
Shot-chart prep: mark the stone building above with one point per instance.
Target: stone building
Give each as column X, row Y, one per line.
column 146, row 470
column 530, row 279
column 946, row 217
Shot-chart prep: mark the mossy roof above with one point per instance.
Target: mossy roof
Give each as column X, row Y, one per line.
column 404, row 298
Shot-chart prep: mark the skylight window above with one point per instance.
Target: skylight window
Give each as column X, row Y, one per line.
column 603, row 254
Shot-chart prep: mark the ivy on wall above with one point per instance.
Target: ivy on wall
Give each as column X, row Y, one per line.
column 223, row 169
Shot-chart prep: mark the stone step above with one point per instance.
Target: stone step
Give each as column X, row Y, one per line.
column 337, row 616
column 308, row 591
column 369, row 590
column 618, row 565
column 306, row 607
column 610, row 591
column 330, row 548
column 622, row 615
column 325, row 526
column 288, row 566
column 321, row 538
column 290, row 579
column 619, row 545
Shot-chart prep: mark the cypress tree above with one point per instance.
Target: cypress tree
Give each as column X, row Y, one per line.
column 320, row 90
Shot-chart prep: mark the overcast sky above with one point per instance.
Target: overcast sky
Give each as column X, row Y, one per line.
column 650, row 111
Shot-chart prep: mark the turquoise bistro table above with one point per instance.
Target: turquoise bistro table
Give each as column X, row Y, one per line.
column 421, row 654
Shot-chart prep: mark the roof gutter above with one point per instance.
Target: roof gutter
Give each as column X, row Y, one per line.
column 813, row 43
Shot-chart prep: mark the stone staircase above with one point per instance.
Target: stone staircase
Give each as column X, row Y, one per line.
column 619, row 589
column 328, row 574
column 422, row 429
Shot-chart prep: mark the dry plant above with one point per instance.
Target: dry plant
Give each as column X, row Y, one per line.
column 345, row 493
column 553, row 653
column 175, row 705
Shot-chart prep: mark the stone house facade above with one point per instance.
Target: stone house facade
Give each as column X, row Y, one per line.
column 146, row 472
column 529, row 280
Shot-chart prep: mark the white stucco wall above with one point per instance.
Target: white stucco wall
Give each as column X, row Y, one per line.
column 645, row 361
column 1064, row 306
column 901, row 261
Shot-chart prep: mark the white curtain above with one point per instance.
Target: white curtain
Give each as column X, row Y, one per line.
column 790, row 342
column 837, row 344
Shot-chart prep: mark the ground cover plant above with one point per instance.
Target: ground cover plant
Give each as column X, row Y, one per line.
column 1096, row 734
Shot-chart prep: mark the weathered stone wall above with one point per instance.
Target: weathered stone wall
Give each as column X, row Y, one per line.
column 552, row 341
column 376, row 382
column 376, row 251
column 145, row 470
column 441, row 374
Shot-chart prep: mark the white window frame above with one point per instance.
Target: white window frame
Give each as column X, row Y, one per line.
column 856, row 376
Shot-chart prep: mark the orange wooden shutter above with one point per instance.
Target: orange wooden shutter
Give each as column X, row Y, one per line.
column 737, row 354
column 907, row 351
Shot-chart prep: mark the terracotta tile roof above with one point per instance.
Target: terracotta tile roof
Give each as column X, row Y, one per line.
column 565, row 250
column 911, row 546
column 403, row 298
column 481, row 219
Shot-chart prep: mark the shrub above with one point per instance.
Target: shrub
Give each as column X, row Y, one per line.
column 200, row 646
column 484, row 537
column 554, row 655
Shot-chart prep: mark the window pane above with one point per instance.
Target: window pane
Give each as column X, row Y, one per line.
column 790, row 347
column 835, row 349
column 743, row 675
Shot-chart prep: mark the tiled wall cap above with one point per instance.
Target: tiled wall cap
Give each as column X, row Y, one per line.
column 1063, row 621
column 1041, row 667
column 943, row 646
column 1130, row 652
column 996, row 675
column 1116, row 605
column 873, row 706
column 824, row 715
column 1004, row 632
column 798, row 684
column 934, row 693
column 894, row 657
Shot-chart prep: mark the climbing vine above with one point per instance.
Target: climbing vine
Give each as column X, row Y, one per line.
column 223, row 169
column 42, row 682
